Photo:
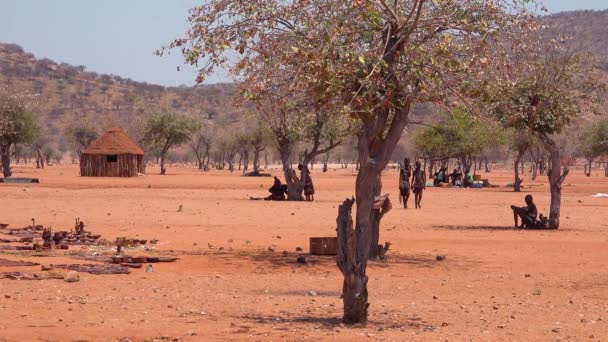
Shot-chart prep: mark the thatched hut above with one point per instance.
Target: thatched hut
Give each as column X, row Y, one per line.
column 114, row 154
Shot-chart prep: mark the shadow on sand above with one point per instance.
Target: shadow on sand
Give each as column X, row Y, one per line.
column 330, row 323
column 490, row 228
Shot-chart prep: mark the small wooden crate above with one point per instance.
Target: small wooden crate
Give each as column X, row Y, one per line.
column 323, row 245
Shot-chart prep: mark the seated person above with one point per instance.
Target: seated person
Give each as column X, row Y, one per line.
column 440, row 177
column 468, row 179
column 277, row 191
column 456, row 178
column 527, row 214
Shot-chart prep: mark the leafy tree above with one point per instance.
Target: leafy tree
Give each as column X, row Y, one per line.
column 371, row 60
column 459, row 135
column 166, row 130
column 49, row 153
column 593, row 143
column 539, row 93
column 200, row 143
column 81, row 135
column 17, row 125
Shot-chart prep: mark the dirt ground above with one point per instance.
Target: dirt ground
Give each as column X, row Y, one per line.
column 497, row 283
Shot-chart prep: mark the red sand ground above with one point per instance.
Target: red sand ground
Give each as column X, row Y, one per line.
column 245, row 292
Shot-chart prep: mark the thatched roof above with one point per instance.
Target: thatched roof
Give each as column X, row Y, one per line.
column 114, row 141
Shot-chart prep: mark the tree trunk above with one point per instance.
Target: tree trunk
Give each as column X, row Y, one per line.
column 556, row 179
column 534, row 170
column 6, row 160
column 39, row 159
column 431, row 167
column 517, row 181
column 162, row 164
column 256, row 161
column 588, row 167
column 354, row 287
column 294, row 187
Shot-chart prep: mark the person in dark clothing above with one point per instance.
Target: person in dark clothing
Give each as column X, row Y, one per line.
column 277, row 191
column 404, row 181
column 418, row 184
column 309, row 188
column 526, row 214
column 456, row 178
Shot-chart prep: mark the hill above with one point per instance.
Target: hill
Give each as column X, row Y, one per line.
column 589, row 30
column 68, row 93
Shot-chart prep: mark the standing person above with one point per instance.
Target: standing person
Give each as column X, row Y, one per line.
column 404, row 181
column 418, row 184
column 309, row 188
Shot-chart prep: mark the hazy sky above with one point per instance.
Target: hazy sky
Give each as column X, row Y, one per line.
column 119, row 36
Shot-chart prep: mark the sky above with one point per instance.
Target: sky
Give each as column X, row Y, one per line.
column 120, row 36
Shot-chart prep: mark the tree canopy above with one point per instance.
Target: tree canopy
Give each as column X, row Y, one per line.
column 459, row 134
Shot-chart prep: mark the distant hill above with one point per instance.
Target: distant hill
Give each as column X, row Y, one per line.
column 68, row 93
column 589, row 30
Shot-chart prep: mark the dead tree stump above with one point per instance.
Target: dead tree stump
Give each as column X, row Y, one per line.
column 354, row 289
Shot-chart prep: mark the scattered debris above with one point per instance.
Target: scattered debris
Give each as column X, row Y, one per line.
column 440, row 257
column 301, row 259
column 149, row 268
column 96, row 269
column 13, row 263
column 30, row 276
column 312, row 293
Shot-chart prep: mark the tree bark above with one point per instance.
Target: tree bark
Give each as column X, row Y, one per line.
column 588, row 167
column 6, row 160
column 517, row 181
column 556, row 179
column 294, row 193
column 162, row 163
column 354, row 287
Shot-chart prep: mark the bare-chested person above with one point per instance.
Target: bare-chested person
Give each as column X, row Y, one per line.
column 404, row 181
column 418, row 183
column 527, row 214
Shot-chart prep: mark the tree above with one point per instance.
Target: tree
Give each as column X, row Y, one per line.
column 200, row 144
column 539, row 94
column 166, row 130
column 593, row 142
column 81, row 135
column 459, row 135
column 49, row 153
column 296, row 113
column 371, row 59
column 520, row 143
column 259, row 140
column 17, row 125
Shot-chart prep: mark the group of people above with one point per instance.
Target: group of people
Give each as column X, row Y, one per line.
column 455, row 178
column 414, row 180
column 417, row 182
column 279, row 191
